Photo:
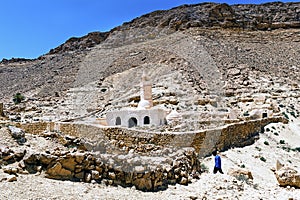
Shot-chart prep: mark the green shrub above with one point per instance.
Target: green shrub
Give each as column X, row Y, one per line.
column 243, row 166
column 204, row 168
column 258, row 148
column 282, row 142
column 285, row 115
column 293, row 114
column 297, row 149
column 18, row 98
column 263, row 159
column 266, row 142
column 275, row 133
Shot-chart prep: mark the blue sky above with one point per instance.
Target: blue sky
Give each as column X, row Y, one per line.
column 30, row 28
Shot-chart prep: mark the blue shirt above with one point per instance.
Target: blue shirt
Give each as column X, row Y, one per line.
column 217, row 161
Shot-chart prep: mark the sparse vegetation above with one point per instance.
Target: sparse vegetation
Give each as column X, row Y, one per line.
column 263, row 159
column 285, row 115
column 275, row 133
column 282, row 142
column 297, row 149
column 204, row 168
column 266, row 142
column 18, row 98
column 258, row 148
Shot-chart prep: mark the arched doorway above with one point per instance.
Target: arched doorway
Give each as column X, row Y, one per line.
column 146, row 120
column 132, row 122
column 118, row 121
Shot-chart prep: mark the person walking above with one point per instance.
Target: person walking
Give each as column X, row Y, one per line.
column 217, row 167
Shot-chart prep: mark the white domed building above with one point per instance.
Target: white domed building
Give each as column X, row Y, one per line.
column 145, row 114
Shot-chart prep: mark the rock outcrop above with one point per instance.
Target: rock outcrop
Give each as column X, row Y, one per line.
column 287, row 176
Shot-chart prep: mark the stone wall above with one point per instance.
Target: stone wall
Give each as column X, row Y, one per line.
column 230, row 135
column 175, row 158
column 125, row 170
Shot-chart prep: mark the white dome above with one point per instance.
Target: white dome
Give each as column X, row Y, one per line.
column 143, row 104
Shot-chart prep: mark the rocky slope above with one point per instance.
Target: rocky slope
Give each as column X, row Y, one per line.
column 199, row 57
column 56, row 71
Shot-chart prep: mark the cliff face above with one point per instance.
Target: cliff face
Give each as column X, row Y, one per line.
column 252, row 17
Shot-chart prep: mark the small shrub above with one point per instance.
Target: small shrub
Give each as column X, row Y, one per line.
column 204, row 168
column 243, row 166
column 263, row 159
column 266, row 142
column 297, row 149
column 275, row 133
column 282, row 142
column 293, row 114
column 246, row 114
column 242, row 178
column 255, row 186
column 18, row 98
column 258, row 148
column 285, row 115
column 267, row 129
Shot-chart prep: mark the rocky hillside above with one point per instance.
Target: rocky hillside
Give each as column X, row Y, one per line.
column 204, row 58
column 54, row 73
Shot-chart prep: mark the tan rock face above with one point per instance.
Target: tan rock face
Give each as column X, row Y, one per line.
column 287, row 176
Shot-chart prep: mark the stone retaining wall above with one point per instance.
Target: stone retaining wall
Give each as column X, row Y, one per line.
column 126, row 170
column 231, row 135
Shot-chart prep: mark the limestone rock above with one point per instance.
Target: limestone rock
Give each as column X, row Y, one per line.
column 143, row 184
column 240, row 172
column 68, row 163
column 279, row 165
column 46, row 159
column 184, row 181
column 16, row 133
column 58, row 172
column 234, row 72
column 88, row 177
column 287, row 176
column 11, row 178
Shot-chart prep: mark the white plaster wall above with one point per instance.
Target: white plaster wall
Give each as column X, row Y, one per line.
column 157, row 116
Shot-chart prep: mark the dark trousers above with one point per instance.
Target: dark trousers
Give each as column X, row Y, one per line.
column 216, row 169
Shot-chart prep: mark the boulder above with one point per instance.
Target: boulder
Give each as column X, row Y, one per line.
column 143, row 184
column 287, row 176
column 16, row 133
column 68, row 163
column 240, row 172
column 58, row 172
column 11, row 178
